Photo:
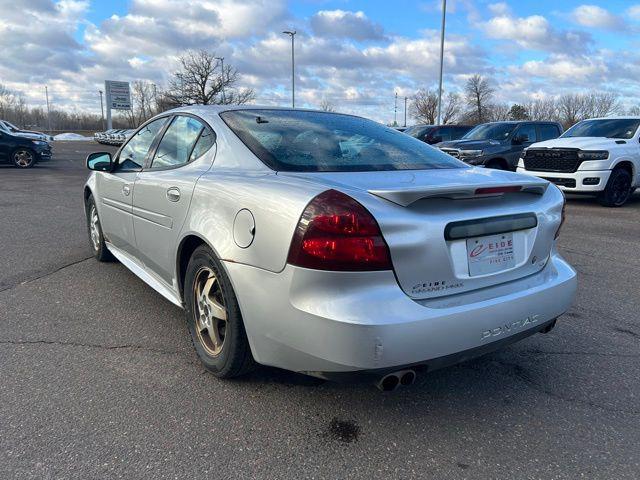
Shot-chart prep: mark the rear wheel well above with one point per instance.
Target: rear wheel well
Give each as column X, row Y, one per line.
column 185, row 250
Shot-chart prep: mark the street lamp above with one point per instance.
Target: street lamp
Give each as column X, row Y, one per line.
column 444, row 16
column 292, row 34
column 221, row 60
column 101, row 108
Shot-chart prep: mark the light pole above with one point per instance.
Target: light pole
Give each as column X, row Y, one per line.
column 101, row 109
column 395, row 110
column 444, row 17
column 405, row 111
column 221, row 60
column 292, row 34
column 46, row 94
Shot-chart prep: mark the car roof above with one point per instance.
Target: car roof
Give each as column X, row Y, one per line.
column 616, row 117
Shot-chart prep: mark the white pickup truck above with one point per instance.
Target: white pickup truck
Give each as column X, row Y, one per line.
column 598, row 156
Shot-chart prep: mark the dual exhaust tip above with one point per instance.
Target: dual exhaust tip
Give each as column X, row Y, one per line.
column 401, row 378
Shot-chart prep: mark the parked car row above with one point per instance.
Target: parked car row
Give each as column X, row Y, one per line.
column 113, row 137
column 599, row 156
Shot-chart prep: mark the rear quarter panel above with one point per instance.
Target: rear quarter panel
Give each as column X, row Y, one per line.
column 276, row 203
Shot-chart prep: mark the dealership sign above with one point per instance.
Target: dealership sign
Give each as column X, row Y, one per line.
column 118, row 95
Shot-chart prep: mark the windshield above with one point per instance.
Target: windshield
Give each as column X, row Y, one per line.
column 11, row 126
column 610, row 128
column 490, row 131
column 419, row 131
column 301, row 141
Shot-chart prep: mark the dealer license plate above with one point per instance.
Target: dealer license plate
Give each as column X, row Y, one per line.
column 490, row 254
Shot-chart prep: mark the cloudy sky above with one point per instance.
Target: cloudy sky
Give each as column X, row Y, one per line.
column 353, row 53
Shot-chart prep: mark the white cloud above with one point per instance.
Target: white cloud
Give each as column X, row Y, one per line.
column 634, row 12
column 342, row 24
column 593, row 16
column 533, row 32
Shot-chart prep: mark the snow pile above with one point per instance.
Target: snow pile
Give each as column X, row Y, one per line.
column 71, row 136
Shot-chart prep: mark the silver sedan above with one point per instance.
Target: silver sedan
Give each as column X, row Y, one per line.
column 328, row 244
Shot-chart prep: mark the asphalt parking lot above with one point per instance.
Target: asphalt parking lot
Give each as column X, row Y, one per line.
column 99, row 379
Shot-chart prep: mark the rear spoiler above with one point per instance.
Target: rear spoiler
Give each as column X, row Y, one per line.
column 407, row 196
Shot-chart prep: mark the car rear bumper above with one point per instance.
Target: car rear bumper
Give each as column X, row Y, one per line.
column 323, row 323
column 581, row 181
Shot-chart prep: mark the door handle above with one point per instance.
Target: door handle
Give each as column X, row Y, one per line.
column 173, row 194
column 126, row 190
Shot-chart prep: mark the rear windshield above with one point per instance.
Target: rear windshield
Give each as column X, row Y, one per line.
column 301, row 141
column 610, row 128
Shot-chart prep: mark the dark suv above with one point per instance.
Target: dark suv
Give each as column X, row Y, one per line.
column 21, row 151
column 432, row 134
column 500, row 144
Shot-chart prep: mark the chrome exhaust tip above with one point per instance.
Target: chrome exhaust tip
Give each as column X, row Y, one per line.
column 407, row 378
column 401, row 378
column 388, row 383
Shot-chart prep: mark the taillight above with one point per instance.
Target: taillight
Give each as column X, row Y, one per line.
column 335, row 232
column 562, row 215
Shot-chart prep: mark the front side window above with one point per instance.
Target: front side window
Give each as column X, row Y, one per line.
column 490, row 131
column 624, row 128
column 299, row 141
column 177, row 143
column 419, row 131
column 135, row 151
column 527, row 132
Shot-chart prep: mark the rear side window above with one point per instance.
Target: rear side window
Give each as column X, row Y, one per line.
column 177, row 143
column 547, row 132
column 205, row 142
column 300, row 141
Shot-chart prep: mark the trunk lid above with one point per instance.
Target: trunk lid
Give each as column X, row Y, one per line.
column 433, row 220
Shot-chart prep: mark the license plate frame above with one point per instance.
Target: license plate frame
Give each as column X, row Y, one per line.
column 490, row 254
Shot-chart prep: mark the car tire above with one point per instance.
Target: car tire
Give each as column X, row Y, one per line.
column 618, row 189
column 23, row 158
column 213, row 317
column 96, row 238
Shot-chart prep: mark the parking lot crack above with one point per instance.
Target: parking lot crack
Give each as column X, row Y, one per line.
column 42, row 275
column 125, row 346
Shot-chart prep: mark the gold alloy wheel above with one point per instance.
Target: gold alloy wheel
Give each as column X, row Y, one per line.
column 94, row 229
column 211, row 313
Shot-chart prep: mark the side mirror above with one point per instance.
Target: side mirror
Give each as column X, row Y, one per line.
column 99, row 161
column 520, row 139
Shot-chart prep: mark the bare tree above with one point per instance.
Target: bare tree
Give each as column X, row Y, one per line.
column 543, row 109
column 573, row 107
column 601, row 104
column 498, row 112
column 424, row 106
column 201, row 80
column 327, row 106
column 634, row 111
column 451, row 108
column 7, row 100
column 478, row 95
